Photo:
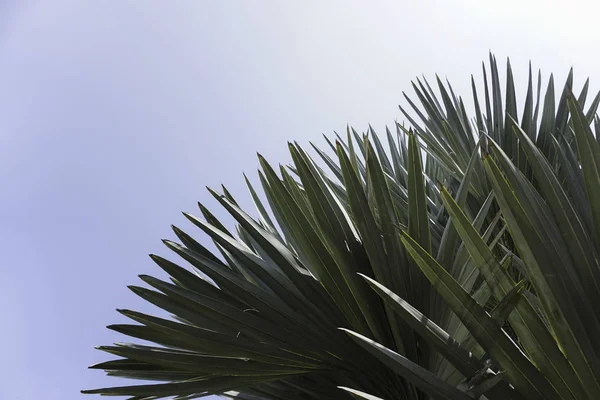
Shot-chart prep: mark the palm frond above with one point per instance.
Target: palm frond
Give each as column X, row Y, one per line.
column 462, row 261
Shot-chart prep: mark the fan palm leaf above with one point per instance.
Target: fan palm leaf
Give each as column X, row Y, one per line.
column 460, row 262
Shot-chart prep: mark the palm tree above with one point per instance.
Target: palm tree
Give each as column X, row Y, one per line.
column 461, row 262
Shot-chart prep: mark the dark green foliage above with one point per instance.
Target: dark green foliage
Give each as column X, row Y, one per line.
column 460, row 262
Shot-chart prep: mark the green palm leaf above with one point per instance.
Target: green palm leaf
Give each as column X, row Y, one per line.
column 459, row 261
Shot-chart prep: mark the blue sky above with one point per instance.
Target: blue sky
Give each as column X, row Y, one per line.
column 114, row 115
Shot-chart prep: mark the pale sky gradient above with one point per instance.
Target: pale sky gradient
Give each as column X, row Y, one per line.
column 114, row 115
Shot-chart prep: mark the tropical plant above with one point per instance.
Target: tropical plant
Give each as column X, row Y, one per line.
column 462, row 262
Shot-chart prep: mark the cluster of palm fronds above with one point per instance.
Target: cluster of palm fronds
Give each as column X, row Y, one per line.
column 473, row 273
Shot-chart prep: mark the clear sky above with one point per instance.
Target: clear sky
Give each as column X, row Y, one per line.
column 114, row 115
